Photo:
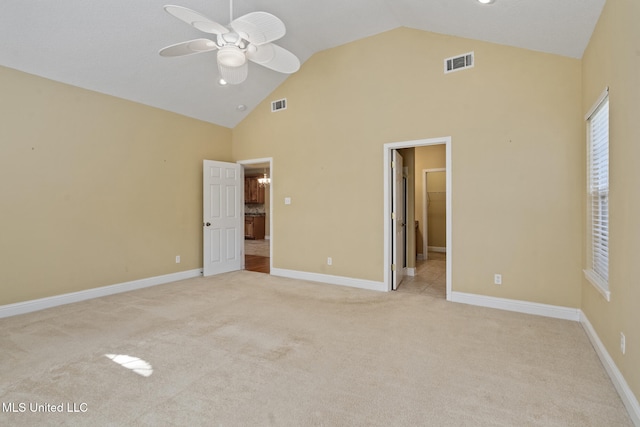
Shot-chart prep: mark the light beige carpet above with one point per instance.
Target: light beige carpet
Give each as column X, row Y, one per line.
column 249, row 349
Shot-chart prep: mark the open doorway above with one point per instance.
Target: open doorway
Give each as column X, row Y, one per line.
column 428, row 266
column 257, row 215
column 429, row 276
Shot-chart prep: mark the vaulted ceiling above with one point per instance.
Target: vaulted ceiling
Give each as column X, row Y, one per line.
column 112, row 46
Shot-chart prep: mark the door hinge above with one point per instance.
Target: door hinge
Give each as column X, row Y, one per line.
column 393, row 215
column 393, row 267
column 393, row 164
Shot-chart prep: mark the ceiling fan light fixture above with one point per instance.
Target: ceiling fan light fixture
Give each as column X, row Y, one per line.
column 233, row 75
column 231, row 56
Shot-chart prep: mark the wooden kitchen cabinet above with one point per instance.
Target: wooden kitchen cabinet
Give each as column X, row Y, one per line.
column 253, row 192
column 254, row 227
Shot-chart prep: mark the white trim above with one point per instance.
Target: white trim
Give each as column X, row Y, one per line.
column 386, row 159
column 595, row 280
column 410, row 271
column 269, row 238
column 329, row 279
column 546, row 310
column 595, row 106
column 437, row 249
column 56, row 300
column 420, row 256
column 626, row 394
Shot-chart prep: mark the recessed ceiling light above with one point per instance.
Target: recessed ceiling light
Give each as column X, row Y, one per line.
column 241, row 107
column 486, row 1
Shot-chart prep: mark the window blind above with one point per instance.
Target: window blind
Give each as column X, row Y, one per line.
column 599, row 190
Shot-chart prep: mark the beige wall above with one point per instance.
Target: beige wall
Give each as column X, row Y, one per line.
column 515, row 123
column 427, row 157
column 613, row 59
column 436, row 209
column 95, row 190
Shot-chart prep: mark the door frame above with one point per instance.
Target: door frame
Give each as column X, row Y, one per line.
column 244, row 164
column 387, row 178
column 425, row 222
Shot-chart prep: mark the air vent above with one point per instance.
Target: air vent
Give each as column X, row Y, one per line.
column 280, row 104
column 457, row 63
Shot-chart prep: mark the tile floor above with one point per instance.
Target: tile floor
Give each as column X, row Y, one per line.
column 430, row 278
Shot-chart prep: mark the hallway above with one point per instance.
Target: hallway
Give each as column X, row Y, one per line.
column 430, row 278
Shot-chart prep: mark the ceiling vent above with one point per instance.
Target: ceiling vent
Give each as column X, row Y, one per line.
column 280, row 104
column 457, row 63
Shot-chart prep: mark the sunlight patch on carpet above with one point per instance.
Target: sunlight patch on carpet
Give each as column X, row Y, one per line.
column 135, row 364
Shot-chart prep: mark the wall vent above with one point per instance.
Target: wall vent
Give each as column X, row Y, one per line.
column 280, row 104
column 459, row 62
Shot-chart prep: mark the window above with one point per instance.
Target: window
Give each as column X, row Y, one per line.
column 597, row 271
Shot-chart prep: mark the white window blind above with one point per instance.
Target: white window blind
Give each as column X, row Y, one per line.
column 598, row 170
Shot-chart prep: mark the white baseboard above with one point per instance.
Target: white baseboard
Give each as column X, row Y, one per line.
column 267, row 237
column 410, row 271
column 437, row 249
column 329, row 279
column 56, row 300
column 420, row 256
column 628, row 398
column 527, row 307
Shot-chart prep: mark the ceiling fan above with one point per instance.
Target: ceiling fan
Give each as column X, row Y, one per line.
column 250, row 37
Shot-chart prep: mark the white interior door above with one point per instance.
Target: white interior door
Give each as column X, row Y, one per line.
column 223, row 219
column 397, row 220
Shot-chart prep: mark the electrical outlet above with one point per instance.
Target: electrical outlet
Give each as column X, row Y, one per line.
column 329, row 261
column 177, row 259
column 623, row 343
column 497, row 279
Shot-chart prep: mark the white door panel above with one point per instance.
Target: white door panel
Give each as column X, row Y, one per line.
column 397, row 206
column 222, row 217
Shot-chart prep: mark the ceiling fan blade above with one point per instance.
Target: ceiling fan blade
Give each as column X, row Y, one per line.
column 274, row 57
column 188, row 48
column 199, row 21
column 259, row 27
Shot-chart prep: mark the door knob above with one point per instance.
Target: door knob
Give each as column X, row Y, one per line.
column 208, row 224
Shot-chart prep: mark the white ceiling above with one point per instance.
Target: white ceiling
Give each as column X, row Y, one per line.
column 112, row 46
